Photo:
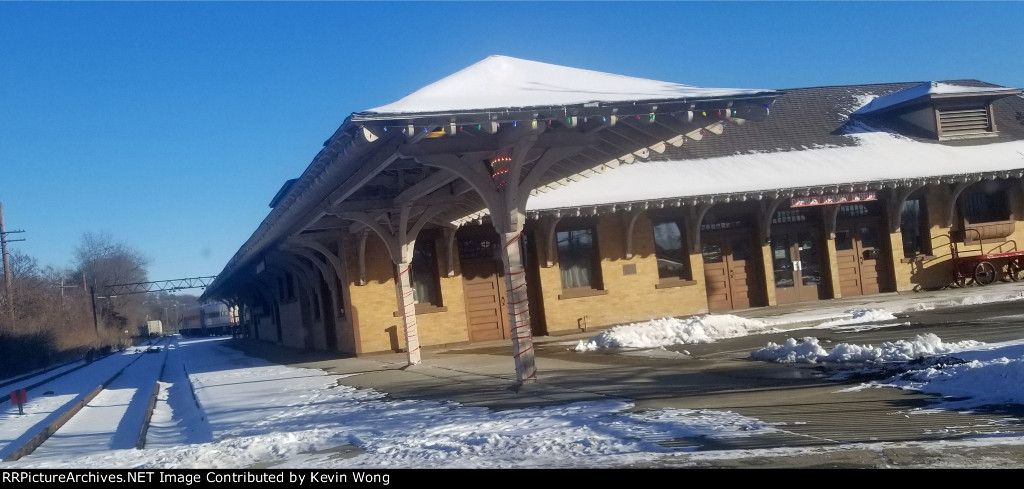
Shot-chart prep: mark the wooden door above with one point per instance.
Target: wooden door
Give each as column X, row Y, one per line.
column 862, row 268
column 730, row 271
column 484, row 289
column 716, row 274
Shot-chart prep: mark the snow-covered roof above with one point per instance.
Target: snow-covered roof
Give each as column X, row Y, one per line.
column 499, row 82
column 878, row 157
column 925, row 91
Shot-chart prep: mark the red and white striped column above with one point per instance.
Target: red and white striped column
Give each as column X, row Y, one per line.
column 518, row 308
column 407, row 308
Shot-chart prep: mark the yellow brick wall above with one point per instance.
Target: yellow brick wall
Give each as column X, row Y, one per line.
column 832, row 271
column 291, row 325
column 936, row 270
column 316, row 323
column 769, row 274
column 343, row 334
column 373, row 305
column 903, row 271
column 264, row 328
column 343, row 330
column 630, row 298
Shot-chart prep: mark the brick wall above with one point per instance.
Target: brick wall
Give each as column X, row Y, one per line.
column 373, row 305
column 630, row 284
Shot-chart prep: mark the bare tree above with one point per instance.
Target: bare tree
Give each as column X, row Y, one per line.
column 51, row 321
column 104, row 262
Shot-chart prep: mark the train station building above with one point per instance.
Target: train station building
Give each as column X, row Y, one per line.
column 514, row 199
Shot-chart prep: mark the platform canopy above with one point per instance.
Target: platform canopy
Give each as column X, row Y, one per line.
column 483, row 138
column 501, row 82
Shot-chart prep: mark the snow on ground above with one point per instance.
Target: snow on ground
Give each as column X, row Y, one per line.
column 807, row 350
column 258, row 414
column 674, row 331
column 859, row 316
column 46, row 403
column 985, row 374
column 706, row 328
column 967, row 374
column 218, row 408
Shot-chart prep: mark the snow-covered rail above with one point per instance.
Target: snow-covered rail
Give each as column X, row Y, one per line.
column 71, row 411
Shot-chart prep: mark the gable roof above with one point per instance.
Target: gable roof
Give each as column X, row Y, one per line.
column 502, row 82
column 364, row 166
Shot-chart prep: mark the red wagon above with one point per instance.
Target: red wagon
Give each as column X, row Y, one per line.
column 1004, row 262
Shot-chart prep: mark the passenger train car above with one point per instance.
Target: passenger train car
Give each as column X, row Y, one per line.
column 211, row 319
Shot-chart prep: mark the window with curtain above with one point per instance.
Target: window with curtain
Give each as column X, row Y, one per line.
column 578, row 258
column 426, row 282
column 671, row 251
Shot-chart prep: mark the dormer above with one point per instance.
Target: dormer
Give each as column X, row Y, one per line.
column 943, row 111
column 282, row 192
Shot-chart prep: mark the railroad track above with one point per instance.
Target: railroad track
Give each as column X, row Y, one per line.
column 79, row 406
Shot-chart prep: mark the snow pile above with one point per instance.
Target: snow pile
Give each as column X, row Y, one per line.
column 808, row 350
column 984, row 382
column 969, row 300
column 861, row 316
column 990, row 375
column 674, row 331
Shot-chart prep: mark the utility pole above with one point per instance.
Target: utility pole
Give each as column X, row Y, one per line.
column 7, row 263
column 62, row 287
column 95, row 322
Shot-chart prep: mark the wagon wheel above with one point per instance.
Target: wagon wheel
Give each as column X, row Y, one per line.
column 984, row 273
column 1014, row 270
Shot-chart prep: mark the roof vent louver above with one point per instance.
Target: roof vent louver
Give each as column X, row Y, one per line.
column 964, row 122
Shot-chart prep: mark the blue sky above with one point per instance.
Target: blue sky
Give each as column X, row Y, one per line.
column 170, row 126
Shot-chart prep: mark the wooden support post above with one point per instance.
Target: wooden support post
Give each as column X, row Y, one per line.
column 518, row 308
column 407, row 308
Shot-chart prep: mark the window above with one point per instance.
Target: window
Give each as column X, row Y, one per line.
column 426, row 282
column 986, row 206
column 914, row 227
column 578, row 257
column 800, row 214
column 671, row 251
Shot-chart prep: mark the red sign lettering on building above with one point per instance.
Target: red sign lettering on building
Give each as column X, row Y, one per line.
column 844, row 198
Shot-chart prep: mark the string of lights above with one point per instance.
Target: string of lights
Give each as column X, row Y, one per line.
column 570, row 121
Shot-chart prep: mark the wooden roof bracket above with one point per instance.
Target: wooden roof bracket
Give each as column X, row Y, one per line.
column 898, row 197
column 548, row 225
column 831, row 215
column 628, row 222
column 335, row 261
column 325, row 273
column 767, row 212
column 951, row 208
column 697, row 214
